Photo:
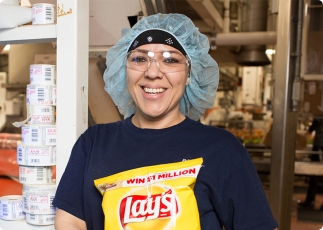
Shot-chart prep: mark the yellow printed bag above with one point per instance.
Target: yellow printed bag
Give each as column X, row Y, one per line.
column 158, row 197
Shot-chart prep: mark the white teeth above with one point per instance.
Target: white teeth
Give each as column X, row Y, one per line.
column 150, row 90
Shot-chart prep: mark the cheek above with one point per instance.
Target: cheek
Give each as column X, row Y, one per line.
column 129, row 84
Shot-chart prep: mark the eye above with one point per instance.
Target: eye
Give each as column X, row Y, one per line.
column 138, row 59
column 171, row 60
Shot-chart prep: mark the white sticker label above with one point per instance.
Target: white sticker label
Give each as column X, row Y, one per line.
column 40, row 95
column 50, row 136
column 38, row 203
column 11, row 208
column 41, row 114
column 35, row 174
column 40, row 219
column 36, row 156
column 43, row 14
column 43, row 74
column 38, row 135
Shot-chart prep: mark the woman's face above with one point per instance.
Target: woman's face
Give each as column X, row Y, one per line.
column 156, row 94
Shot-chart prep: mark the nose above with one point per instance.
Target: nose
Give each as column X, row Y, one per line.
column 153, row 69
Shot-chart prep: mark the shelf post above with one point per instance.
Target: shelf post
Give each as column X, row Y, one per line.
column 72, row 77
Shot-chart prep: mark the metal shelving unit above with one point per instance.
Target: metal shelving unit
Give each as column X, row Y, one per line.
column 71, row 32
column 29, row 34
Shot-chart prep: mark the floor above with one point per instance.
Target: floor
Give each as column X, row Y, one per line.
column 299, row 195
column 300, row 188
column 304, row 225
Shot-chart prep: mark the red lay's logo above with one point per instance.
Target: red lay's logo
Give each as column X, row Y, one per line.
column 154, row 211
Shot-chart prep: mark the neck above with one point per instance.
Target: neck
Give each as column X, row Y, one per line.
column 157, row 123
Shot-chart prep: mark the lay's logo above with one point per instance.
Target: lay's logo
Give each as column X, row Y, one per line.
column 140, row 208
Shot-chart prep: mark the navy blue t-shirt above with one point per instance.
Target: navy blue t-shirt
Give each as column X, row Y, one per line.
column 228, row 190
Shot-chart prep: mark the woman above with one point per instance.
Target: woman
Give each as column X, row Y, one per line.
column 162, row 78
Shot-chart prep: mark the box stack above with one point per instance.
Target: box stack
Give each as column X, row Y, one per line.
column 36, row 155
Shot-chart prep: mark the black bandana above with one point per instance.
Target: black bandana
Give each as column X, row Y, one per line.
column 156, row 36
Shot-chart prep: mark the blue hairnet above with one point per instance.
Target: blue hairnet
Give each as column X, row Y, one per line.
column 204, row 73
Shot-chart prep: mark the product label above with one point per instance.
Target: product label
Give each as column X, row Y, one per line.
column 38, row 135
column 50, row 136
column 42, row 114
column 36, row 156
column 42, row 74
column 11, row 208
column 42, row 14
column 40, row 95
column 44, row 219
column 38, row 203
column 31, row 135
column 35, row 174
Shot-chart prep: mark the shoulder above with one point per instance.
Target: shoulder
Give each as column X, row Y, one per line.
column 101, row 130
column 214, row 133
column 216, row 143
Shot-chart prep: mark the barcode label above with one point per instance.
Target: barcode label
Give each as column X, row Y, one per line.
column 20, row 154
column 32, row 216
column 48, row 73
column 22, row 178
column 51, row 198
column 34, row 135
column 52, row 140
column 5, row 209
column 40, row 173
column 41, row 94
column 25, row 203
column 49, row 15
column 45, row 109
column 49, row 219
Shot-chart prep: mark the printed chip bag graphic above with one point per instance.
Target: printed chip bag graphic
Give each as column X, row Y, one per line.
column 158, row 197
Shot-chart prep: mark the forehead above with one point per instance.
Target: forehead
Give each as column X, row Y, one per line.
column 157, row 47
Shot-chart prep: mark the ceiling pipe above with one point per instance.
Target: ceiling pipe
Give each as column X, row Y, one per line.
column 226, row 18
column 254, row 18
column 245, row 38
column 209, row 13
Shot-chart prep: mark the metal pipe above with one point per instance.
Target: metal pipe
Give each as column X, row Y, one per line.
column 284, row 123
column 226, row 18
column 297, row 55
column 254, row 19
column 299, row 39
column 246, row 38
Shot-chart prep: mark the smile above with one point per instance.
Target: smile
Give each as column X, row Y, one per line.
column 153, row 91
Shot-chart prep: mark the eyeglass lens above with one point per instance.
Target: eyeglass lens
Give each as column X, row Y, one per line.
column 167, row 61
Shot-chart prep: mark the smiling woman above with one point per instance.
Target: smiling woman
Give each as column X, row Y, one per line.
column 162, row 79
column 171, row 30
column 156, row 89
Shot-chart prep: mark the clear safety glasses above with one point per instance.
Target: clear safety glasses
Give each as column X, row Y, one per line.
column 166, row 61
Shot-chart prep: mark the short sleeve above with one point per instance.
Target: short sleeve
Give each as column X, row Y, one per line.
column 69, row 194
column 244, row 204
